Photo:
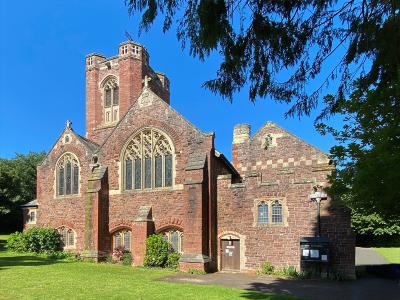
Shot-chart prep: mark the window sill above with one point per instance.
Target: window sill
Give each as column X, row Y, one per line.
column 67, row 196
column 164, row 189
column 271, row 225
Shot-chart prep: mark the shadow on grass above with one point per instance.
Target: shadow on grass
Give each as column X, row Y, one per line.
column 25, row 261
column 278, row 290
column 2, row 245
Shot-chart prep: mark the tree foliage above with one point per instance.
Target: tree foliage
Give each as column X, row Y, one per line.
column 368, row 150
column 17, row 186
column 262, row 41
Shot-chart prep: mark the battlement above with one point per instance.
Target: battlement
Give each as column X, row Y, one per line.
column 126, row 50
column 114, row 83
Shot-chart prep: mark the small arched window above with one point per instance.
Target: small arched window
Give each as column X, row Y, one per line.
column 263, row 213
column 148, row 161
column 122, row 238
column 111, row 100
column 67, row 236
column 67, row 175
column 277, row 213
column 175, row 239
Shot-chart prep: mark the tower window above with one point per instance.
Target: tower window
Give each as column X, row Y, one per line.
column 111, row 101
column 124, row 49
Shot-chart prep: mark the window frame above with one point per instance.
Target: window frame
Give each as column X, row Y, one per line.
column 62, row 164
column 167, row 234
column 65, row 236
column 270, row 203
column 111, row 111
column 122, row 232
column 29, row 217
column 140, row 161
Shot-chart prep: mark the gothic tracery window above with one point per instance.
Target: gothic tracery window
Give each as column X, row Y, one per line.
column 111, row 100
column 122, row 238
column 67, row 236
column 175, row 239
column 148, row 161
column 67, row 175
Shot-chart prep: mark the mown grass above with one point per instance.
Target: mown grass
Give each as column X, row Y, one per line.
column 25, row 276
column 392, row 255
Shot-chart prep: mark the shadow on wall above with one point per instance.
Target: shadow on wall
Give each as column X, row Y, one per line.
column 335, row 224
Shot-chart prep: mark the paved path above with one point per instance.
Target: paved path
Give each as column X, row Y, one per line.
column 369, row 257
column 361, row 289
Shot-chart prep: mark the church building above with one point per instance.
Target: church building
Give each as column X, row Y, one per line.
column 142, row 168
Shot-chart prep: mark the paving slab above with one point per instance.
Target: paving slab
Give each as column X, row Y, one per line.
column 369, row 257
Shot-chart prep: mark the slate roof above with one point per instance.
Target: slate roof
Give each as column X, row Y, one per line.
column 30, row 204
column 227, row 163
column 89, row 144
column 196, row 161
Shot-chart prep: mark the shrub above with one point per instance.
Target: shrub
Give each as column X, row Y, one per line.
column 156, row 251
column 37, row 239
column 267, row 268
column 16, row 242
column 289, row 271
column 126, row 258
column 60, row 255
column 117, row 253
column 173, row 260
column 109, row 259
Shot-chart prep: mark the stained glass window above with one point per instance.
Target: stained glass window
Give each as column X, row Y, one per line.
column 76, row 179
column 158, row 171
column 147, row 173
column 68, row 178
column 138, row 174
column 61, row 181
column 67, row 175
column 128, row 174
column 168, row 170
column 153, row 156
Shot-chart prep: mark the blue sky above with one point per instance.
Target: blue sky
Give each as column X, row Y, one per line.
column 42, row 75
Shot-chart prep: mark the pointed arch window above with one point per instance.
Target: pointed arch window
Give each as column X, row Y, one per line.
column 175, row 239
column 67, row 175
column 122, row 238
column 67, row 236
column 148, row 161
column 111, row 100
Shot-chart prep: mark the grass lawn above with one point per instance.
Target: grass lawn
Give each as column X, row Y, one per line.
column 392, row 255
column 24, row 276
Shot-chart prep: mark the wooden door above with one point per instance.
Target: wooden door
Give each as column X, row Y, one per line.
column 230, row 254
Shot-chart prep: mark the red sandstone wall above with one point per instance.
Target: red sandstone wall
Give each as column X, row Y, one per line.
column 286, row 171
column 63, row 210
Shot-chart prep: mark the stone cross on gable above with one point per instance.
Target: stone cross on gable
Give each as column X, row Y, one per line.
column 68, row 124
column 146, row 81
